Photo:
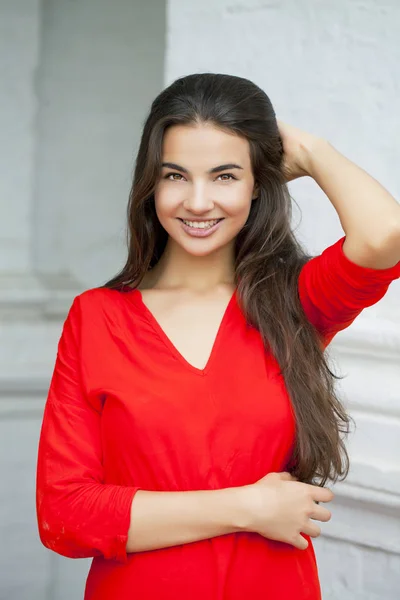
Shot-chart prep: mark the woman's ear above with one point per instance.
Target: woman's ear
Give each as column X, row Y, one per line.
column 255, row 192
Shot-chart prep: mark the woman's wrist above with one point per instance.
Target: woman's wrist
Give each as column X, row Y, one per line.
column 313, row 153
column 242, row 508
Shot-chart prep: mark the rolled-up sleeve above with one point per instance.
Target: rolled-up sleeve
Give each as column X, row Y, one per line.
column 79, row 515
column 334, row 290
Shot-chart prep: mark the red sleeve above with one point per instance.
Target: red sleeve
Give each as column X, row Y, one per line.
column 334, row 290
column 78, row 514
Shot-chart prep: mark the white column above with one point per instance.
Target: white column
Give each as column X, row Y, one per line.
column 77, row 79
column 22, row 290
column 19, row 50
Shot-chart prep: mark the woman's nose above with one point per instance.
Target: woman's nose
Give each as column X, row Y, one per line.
column 198, row 200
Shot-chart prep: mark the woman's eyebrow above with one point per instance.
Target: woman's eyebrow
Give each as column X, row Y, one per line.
column 213, row 170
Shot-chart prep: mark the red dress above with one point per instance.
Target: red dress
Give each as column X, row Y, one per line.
column 125, row 411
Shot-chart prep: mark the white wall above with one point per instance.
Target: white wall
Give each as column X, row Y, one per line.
column 330, row 68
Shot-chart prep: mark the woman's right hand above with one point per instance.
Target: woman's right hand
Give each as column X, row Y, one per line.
column 281, row 508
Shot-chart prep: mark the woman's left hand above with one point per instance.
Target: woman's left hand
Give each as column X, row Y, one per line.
column 297, row 147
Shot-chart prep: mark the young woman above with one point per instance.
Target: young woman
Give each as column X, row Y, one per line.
column 191, row 423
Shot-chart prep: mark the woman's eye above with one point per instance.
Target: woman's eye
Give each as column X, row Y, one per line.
column 227, row 175
column 179, row 175
column 169, row 175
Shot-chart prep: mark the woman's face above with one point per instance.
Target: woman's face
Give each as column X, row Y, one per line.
column 188, row 190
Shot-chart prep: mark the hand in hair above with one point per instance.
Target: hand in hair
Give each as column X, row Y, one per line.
column 297, row 145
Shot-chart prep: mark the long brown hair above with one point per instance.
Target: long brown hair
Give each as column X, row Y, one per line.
column 268, row 258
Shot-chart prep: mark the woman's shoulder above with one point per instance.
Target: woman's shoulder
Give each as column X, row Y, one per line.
column 97, row 299
column 98, row 310
column 99, row 294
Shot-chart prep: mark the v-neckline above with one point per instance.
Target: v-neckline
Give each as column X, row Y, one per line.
column 137, row 295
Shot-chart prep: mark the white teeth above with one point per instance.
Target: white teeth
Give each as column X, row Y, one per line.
column 201, row 224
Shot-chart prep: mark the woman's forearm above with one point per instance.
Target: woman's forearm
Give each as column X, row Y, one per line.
column 368, row 213
column 163, row 519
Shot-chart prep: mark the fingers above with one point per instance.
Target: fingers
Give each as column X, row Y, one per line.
column 325, row 495
column 321, row 494
column 300, row 542
column 321, row 514
column 312, row 530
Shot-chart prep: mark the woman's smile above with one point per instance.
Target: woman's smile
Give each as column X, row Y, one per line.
column 198, row 228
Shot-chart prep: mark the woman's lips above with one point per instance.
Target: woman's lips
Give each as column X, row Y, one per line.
column 200, row 231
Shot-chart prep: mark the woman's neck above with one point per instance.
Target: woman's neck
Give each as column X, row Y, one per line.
column 179, row 269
